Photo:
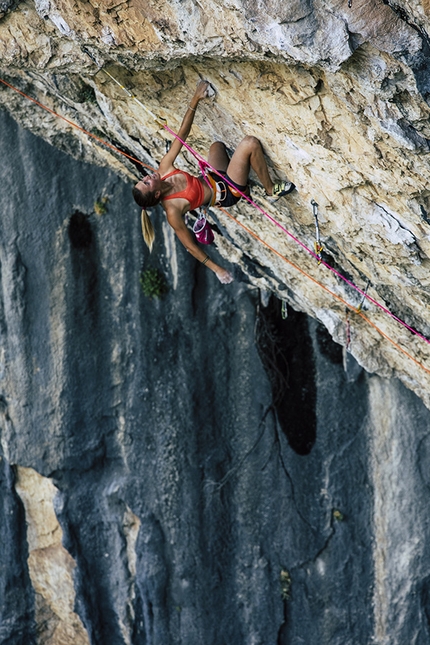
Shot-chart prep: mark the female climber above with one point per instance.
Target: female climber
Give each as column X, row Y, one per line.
column 179, row 192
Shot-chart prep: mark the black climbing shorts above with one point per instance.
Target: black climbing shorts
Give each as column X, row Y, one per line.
column 226, row 195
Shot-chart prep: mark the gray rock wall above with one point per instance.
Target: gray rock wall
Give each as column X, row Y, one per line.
column 191, row 464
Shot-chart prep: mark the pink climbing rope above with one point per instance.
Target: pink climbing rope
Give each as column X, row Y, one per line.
column 203, row 164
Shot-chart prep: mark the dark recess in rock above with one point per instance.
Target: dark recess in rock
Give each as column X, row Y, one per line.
column 141, row 169
column 419, row 62
column 327, row 346
column 80, row 231
column 84, row 290
column 7, row 6
column 424, row 214
column 73, row 88
column 17, row 624
column 329, row 259
column 283, row 630
column 285, row 348
column 3, row 404
column 425, row 601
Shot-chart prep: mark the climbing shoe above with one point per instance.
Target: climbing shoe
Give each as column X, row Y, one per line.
column 280, row 189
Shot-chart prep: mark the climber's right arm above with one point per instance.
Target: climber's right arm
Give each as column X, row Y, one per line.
column 175, row 219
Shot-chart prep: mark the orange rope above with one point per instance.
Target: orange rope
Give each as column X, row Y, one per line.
column 334, row 295
column 75, row 125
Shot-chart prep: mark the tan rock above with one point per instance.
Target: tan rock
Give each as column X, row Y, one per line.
column 50, row 565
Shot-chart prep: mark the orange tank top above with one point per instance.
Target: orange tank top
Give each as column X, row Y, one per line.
column 193, row 193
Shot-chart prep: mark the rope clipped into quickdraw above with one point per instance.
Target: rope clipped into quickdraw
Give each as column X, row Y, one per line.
column 360, row 306
column 326, row 289
column 318, row 246
column 204, row 165
column 199, row 158
column 272, row 219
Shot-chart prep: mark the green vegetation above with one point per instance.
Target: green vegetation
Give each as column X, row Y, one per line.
column 98, row 133
column 100, row 206
column 338, row 515
column 153, row 283
column 285, row 579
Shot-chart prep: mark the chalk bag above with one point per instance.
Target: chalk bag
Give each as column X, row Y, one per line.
column 202, row 231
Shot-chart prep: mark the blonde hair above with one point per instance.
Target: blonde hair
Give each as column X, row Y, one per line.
column 147, row 229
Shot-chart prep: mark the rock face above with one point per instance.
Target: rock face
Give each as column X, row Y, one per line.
column 168, row 466
column 163, row 462
column 337, row 91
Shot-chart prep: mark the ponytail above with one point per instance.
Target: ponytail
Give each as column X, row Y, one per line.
column 147, row 230
column 146, row 200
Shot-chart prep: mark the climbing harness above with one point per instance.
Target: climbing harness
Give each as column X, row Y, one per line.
column 204, row 164
column 318, row 247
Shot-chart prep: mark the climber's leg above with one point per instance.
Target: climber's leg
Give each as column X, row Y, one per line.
column 218, row 156
column 249, row 154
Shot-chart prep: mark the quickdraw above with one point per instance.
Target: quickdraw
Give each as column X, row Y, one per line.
column 318, row 246
column 268, row 216
column 284, row 310
column 363, row 298
column 347, row 331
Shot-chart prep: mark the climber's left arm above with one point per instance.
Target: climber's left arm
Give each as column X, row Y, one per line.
column 166, row 164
